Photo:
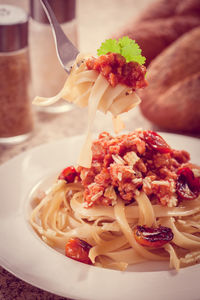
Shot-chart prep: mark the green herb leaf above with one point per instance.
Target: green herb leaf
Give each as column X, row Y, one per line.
column 133, row 53
column 126, row 41
column 139, row 59
column 124, row 46
column 109, row 46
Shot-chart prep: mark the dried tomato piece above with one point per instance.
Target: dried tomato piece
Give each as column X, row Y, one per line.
column 152, row 237
column 68, row 174
column 156, row 142
column 78, row 249
column 187, row 186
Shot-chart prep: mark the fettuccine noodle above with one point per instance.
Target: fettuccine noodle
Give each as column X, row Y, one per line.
column 61, row 215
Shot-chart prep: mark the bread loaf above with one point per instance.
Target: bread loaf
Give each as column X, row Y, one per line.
column 161, row 24
column 168, row 8
column 172, row 98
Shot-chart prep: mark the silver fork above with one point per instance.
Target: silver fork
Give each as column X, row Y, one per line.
column 66, row 51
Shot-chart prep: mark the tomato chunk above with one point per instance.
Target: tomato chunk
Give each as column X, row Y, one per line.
column 153, row 237
column 68, row 174
column 156, row 142
column 187, row 187
column 78, row 249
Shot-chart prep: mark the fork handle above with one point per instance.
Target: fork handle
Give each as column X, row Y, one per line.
column 59, row 36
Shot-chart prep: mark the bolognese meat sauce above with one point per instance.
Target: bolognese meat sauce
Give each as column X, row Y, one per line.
column 139, row 161
column 115, row 69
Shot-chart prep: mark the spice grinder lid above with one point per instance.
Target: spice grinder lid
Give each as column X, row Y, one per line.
column 65, row 10
column 13, row 28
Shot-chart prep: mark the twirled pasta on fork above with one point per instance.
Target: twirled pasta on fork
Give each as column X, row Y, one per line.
column 107, row 83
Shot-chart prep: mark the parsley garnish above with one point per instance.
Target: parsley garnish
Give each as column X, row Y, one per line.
column 124, row 46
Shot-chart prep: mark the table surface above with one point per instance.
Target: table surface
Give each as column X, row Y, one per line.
column 52, row 127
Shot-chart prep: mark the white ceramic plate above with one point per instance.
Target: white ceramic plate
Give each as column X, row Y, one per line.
column 25, row 255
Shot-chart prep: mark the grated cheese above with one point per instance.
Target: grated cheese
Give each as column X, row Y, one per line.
column 131, row 158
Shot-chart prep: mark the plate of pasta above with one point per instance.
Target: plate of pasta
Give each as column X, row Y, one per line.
column 111, row 217
column 35, row 257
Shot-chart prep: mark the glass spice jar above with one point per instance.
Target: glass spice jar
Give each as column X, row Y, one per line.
column 16, row 121
column 48, row 75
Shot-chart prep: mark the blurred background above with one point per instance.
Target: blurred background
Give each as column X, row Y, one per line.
column 168, row 31
column 94, row 17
